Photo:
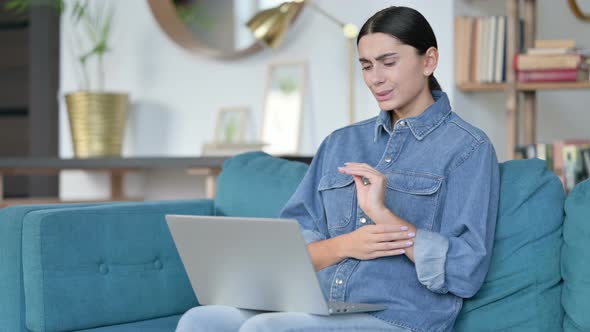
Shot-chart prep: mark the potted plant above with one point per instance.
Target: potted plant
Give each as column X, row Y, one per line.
column 97, row 118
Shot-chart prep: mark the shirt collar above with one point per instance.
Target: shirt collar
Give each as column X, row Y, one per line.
column 420, row 125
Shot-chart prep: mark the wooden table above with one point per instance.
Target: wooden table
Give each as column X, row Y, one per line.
column 210, row 167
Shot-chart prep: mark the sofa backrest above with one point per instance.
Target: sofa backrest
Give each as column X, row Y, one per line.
column 522, row 289
column 256, row 184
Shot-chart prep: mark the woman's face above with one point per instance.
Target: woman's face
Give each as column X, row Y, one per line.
column 393, row 71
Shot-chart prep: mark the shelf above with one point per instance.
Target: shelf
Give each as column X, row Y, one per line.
column 519, row 31
column 482, row 87
column 5, row 26
column 477, row 87
column 553, row 86
column 13, row 111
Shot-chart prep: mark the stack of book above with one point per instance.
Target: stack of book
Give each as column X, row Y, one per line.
column 480, row 49
column 569, row 159
column 552, row 61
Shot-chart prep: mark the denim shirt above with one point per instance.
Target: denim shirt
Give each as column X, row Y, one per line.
column 443, row 177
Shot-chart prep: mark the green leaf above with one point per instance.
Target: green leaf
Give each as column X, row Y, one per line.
column 21, row 6
column 88, row 54
column 12, row 4
column 18, row 7
column 60, row 6
column 79, row 11
column 106, row 29
column 194, row 14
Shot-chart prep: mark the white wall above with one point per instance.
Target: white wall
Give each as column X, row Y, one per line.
column 561, row 114
column 175, row 95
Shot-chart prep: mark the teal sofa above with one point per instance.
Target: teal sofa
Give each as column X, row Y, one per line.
column 114, row 267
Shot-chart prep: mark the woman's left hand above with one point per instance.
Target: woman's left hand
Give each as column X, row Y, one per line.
column 370, row 186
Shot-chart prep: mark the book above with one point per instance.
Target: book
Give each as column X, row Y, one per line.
column 555, row 43
column 586, row 159
column 466, row 49
column 481, row 53
column 561, row 148
column 474, row 53
column 540, row 150
column 527, row 151
column 575, row 166
column 552, row 75
column 545, row 152
column 568, row 159
column 500, row 49
column 571, row 164
column 532, row 62
column 480, row 49
column 550, row 51
column 463, row 30
column 549, row 155
column 491, row 48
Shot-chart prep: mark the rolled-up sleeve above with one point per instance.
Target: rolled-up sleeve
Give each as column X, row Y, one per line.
column 306, row 205
column 457, row 258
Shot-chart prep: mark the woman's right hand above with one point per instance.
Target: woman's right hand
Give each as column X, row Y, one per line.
column 374, row 241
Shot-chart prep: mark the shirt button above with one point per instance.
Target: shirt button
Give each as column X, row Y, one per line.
column 363, row 220
column 402, row 124
column 387, row 159
column 339, row 281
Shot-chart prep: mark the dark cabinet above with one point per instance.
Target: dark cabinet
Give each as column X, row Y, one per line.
column 29, row 80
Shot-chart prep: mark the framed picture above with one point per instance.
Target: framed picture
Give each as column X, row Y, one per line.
column 231, row 125
column 283, row 107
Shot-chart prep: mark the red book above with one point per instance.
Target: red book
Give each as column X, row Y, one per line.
column 551, row 75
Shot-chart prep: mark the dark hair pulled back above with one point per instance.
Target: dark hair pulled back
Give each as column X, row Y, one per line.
column 408, row 26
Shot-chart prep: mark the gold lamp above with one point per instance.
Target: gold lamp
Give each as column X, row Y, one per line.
column 270, row 26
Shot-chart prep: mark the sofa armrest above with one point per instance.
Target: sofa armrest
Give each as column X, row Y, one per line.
column 103, row 265
column 12, row 298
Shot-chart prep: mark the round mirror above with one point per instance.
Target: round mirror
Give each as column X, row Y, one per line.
column 215, row 28
column 583, row 13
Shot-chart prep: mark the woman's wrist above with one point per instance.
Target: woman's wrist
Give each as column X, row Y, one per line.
column 385, row 216
column 328, row 252
column 340, row 246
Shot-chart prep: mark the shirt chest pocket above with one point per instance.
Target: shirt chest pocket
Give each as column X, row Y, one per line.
column 339, row 196
column 414, row 197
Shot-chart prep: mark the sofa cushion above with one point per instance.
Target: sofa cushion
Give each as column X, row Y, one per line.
column 575, row 258
column 98, row 266
column 165, row 324
column 256, row 184
column 522, row 289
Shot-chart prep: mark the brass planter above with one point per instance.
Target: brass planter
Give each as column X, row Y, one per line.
column 97, row 123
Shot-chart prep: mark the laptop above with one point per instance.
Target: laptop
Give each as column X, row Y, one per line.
column 252, row 263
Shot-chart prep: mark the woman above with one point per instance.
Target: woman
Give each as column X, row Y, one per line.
column 398, row 209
